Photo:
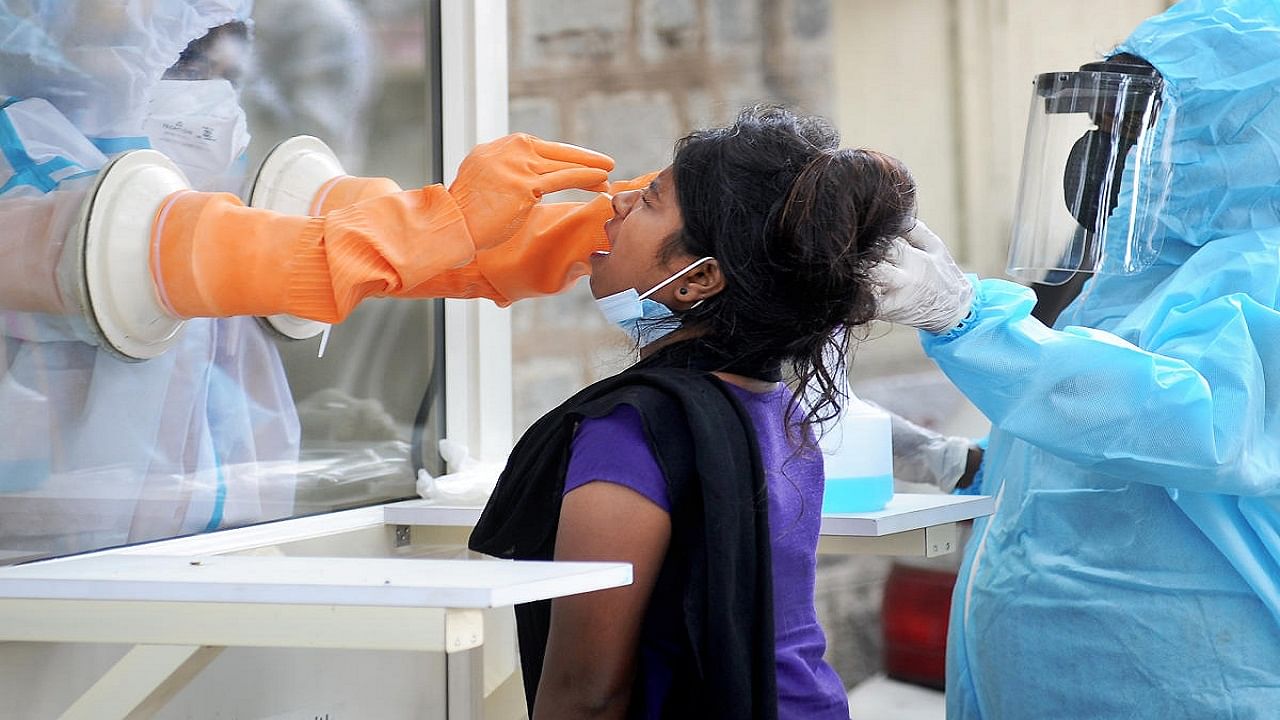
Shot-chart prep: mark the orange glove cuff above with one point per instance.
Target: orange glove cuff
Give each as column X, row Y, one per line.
column 388, row 244
column 214, row 257
column 347, row 190
column 462, row 282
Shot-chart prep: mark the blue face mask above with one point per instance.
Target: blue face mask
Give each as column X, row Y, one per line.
column 640, row 317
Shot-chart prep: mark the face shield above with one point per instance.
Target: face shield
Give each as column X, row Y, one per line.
column 1095, row 173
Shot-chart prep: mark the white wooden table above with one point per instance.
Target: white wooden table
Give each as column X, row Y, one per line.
column 179, row 613
column 911, row 524
column 181, row 602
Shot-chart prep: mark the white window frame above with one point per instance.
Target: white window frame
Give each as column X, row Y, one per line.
column 478, row 404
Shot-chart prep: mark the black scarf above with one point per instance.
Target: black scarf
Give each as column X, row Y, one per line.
column 715, row 584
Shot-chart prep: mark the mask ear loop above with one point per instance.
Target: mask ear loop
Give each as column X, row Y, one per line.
column 678, row 274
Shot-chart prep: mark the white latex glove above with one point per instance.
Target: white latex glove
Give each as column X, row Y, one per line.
column 923, row 456
column 470, row 483
column 920, row 284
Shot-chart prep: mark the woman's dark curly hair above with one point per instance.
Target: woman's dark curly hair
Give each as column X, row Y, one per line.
column 796, row 223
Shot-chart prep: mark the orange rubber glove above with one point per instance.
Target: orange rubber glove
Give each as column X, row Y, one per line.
column 499, row 182
column 214, row 257
column 545, row 257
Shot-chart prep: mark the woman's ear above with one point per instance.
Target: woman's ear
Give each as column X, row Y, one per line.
column 700, row 283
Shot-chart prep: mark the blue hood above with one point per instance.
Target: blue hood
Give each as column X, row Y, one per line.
column 1221, row 65
column 1220, row 121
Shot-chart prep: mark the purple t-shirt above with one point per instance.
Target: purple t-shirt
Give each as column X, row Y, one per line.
column 613, row 449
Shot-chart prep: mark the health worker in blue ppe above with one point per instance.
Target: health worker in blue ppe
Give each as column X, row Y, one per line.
column 1132, row 565
column 98, row 451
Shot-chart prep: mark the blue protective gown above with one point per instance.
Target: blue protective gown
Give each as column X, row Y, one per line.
column 1132, row 565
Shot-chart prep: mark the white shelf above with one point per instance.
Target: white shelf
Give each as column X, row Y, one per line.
column 378, row 582
column 905, row 512
column 423, row 512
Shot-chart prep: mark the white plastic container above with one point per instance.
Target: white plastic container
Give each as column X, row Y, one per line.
column 857, row 454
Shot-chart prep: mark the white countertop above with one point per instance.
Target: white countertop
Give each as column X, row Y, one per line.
column 908, row 512
column 309, row 580
column 903, row 513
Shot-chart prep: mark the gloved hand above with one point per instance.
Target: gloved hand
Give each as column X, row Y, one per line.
column 554, row 247
column 923, row 456
column 549, row 252
column 921, row 285
column 468, row 485
column 499, row 182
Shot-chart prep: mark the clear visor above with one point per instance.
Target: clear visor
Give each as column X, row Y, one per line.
column 1095, row 174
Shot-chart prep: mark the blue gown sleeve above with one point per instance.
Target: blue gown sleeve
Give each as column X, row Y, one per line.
column 1193, row 408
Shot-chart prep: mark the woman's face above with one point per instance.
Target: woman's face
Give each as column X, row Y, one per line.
column 642, row 222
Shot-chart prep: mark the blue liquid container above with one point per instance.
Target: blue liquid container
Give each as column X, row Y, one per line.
column 857, row 456
column 857, row 494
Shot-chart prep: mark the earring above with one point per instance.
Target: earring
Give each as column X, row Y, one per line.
column 684, row 291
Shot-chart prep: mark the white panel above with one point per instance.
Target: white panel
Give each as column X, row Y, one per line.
column 269, row 684
column 142, row 682
column 477, row 333
column 38, row 681
column 226, row 624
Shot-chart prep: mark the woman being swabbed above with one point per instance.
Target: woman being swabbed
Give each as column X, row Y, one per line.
column 748, row 257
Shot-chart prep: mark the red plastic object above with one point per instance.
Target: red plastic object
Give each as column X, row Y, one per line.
column 917, row 604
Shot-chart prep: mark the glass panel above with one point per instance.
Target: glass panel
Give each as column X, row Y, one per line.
column 232, row 425
column 362, row 79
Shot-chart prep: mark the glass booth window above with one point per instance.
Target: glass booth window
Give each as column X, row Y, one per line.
column 233, row 423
